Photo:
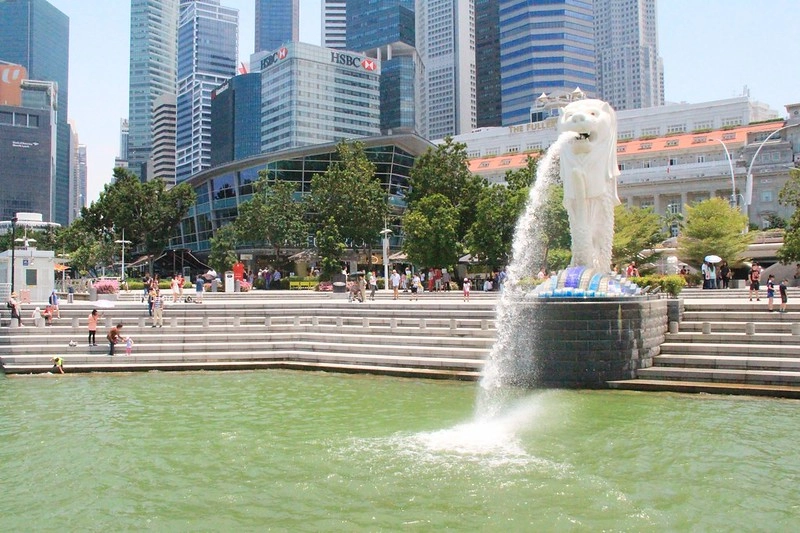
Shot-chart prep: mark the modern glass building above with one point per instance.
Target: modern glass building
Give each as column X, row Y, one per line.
column 36, row 35
column 161, row 164
column 208, row 50
column 487, row 59
column 220, row 190
column 385, row 31
column 236, row 119
column 277, row 22
column 153, row 72
column 545, row 46
column 28, row 137
column 314, row 95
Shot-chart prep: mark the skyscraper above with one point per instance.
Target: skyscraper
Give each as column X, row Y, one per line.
column 445, row 40
column 36, row 35
column 277, row 22
column 78, row 174
column 208, row 50
column 161, row 164
column 386, row 31
column 153, row 66
column 630, row 74
column 236, row 119
column 544, row 47
column 334, row 24
column 487, row 59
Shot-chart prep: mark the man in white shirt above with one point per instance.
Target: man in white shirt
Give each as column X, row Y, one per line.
column 395, row 279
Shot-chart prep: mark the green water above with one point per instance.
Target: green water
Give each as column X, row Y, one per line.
column 295, row 451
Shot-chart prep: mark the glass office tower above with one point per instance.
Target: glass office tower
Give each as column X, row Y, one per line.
column 153, row 68
column 545, row 46
column 277, row 22
column 208, row 50
column 36, row 35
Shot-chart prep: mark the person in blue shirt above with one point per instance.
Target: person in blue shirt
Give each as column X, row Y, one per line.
column 198, row 288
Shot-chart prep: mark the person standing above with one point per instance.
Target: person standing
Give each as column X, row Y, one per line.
column 782, row 288
column 93, row 318
column 395, row 284
column 53, row 301
column 770, row 292
column 725, row 275
column 174, row 286
column 373, row 285
column 15, row 307
column 445, row 279
column 114, row 336
column 754, row 277
column 416, row 287
column 158, row 309
column 128, row 345
column 198, row 289
column 362, row 289
column 467, row 287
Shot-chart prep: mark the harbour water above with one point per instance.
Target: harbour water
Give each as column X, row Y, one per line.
column 304, row 451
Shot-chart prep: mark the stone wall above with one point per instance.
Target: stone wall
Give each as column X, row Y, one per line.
column 582, row 343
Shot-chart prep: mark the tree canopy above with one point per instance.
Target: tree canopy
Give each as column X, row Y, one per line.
column 430, row 231
column 713, row 227
column 635, row 229
column 273, row 215
column 351, row 195
column 790, row 195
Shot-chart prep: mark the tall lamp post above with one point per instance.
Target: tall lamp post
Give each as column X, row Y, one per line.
column 748, row 189
column 13, row 246
column 730, row 164
column 123, row 242
column 386, row 232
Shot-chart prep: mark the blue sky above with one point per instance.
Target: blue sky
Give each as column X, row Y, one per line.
column 711, row 49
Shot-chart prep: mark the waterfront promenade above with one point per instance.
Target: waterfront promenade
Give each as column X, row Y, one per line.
column 722, row 344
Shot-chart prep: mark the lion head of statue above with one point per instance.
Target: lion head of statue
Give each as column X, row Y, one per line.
column 595, row 126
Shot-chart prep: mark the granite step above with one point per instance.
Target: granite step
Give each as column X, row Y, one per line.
column 708, row 387
column 724, row 375
column 736, row 362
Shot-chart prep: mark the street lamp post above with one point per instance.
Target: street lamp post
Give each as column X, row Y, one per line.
column 13, row 246
column 748, row 189
column 123, row 242
column 733, row 178
column 386, row 232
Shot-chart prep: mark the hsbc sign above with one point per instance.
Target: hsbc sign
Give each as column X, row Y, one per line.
column 273, row 58
column 366, row 63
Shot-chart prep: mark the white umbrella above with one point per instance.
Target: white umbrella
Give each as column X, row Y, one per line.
column 713, row 258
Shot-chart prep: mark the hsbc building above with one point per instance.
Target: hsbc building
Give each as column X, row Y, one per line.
column 313, row 95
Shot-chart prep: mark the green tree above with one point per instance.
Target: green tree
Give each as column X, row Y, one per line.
column 430, row 231
column 713, row 227
column 147, row 212
column 351, row 195
column 445, row 171
column 555, row 237
column 489, row 238
column 330, row 248
column 272, row 214
column 790, row 196
column 222, row 255
column 635, row 229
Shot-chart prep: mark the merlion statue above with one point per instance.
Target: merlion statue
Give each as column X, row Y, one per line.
column 589, row 173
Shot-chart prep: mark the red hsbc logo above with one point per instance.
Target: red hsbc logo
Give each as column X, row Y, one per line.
column 282, row 53
column 368, row 64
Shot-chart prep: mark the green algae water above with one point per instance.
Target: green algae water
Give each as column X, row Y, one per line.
column 302, row 451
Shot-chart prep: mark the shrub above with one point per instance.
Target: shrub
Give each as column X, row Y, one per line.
column 671, row 285
column 107, row 286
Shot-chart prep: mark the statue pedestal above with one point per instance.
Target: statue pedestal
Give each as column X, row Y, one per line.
column 579, row 343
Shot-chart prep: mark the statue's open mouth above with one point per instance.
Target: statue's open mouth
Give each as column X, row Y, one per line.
column 583, row 136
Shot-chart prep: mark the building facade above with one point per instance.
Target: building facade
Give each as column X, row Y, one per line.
column 36, row 35
column 672, row 156
column 208, row 51
column 314, row 95
column 220, row 190
column 385, row 31
column 28, row 139
column 630, row 73
column 544, row 47
column 277, row 22
column 445, row 41
column 153, row 71
column 236, row 119
column 334, row 24
column 161, row 163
